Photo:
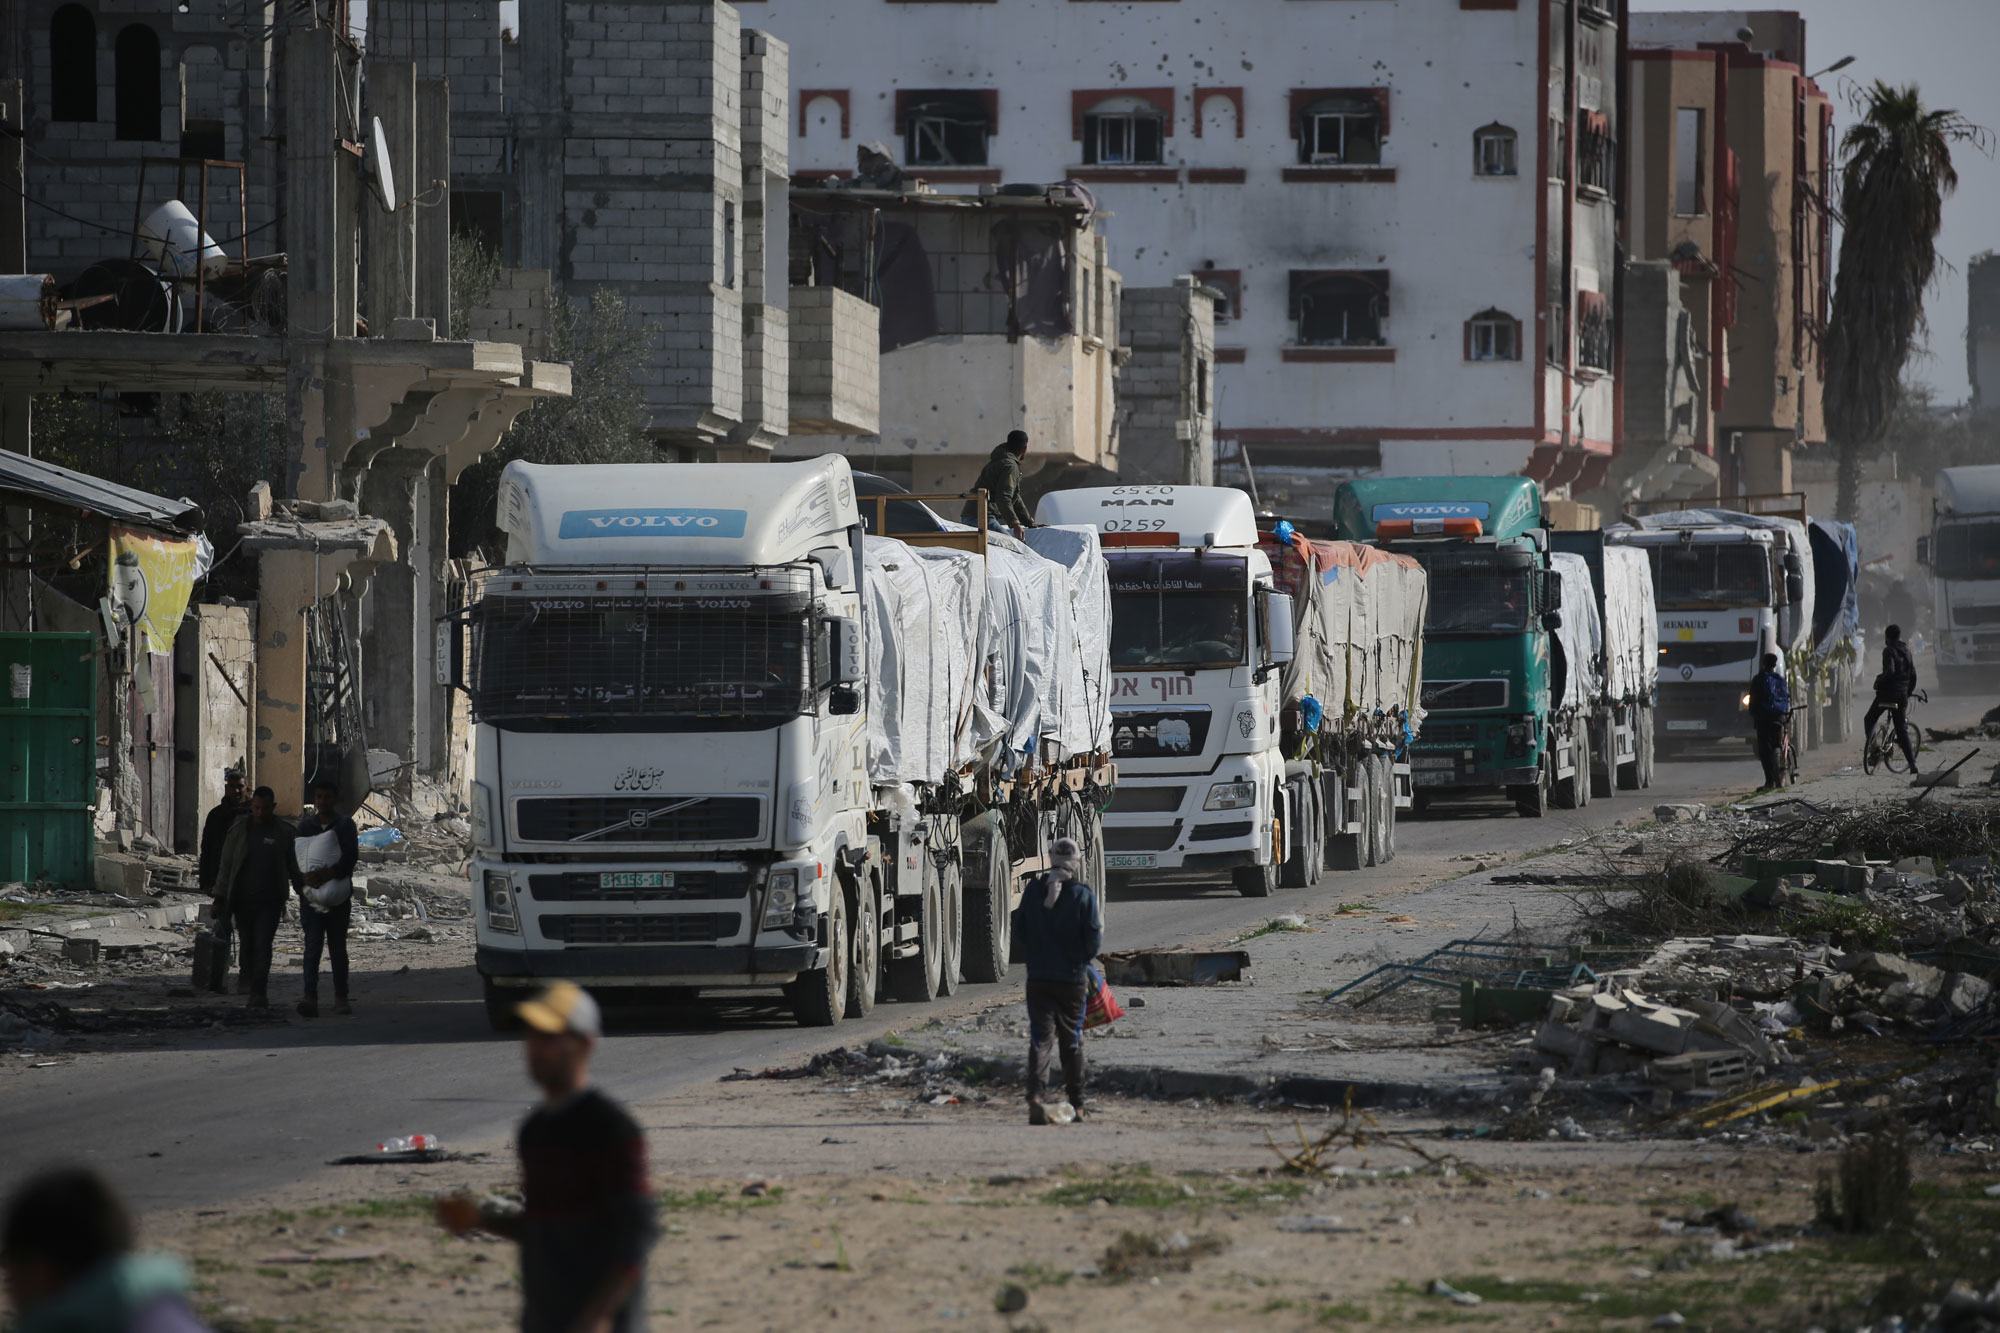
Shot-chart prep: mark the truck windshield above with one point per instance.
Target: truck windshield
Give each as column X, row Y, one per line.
column 1470, row 594
column 1706, row 574
column 632, row 663
column 1968, row 550
column 1172, row 609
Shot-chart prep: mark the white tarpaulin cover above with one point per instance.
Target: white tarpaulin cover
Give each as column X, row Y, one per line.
column 926, row 628
column 1631, row 625
column 1359, row 615
column 1082, row 713
column 1795, row 533
column 1581, row 634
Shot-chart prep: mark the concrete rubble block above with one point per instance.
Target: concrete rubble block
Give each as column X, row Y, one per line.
column 81, row 951
column 1954, row 778
column 1685, row 813
column 1886, row 970
column 1963, row 993
column 1842, row 876
column 1702, row 1069
column 1558, row 1038
column 1663, row 1030
column 121, row 873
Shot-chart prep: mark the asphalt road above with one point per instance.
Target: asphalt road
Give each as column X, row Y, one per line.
column 245, row 1112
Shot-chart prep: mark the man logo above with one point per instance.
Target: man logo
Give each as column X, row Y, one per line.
column 1687, row 673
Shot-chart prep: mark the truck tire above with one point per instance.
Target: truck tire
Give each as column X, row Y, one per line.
column 1631, row 777
column 819, row 997
column 1093, row 866
column 1649, row 744
column 1565, row 793
column 864, row 967
column 500, row 1002
column 1255, row 881
column 951, row 893
column 1371, row 769
column 1390, row 813
column 989, row 914
column 1300, row 840
column 1604, row 771
column 917, row 978
column 1532, row 800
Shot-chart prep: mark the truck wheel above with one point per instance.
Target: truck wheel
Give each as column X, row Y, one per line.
column 1389, row 811
column 1571, row 792
column 1649, row 745
column 916, row 979
column 1604, row 769
column 1297, row 872
column 989, row 914
column 819, row 997
column 864, row 966
column 1371, row 770
column 1255, row 881
column 1533, row 801
column 500, row 1002
column 951, row 894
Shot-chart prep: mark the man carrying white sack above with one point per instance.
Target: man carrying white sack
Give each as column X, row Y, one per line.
column 328, row 848
column 1059, row 932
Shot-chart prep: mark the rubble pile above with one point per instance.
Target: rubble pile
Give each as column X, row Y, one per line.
column 930, row 1079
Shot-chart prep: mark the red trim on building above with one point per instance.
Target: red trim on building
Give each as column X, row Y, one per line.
column 1301, row 98
column 989, row 98
column 1231, row 356
column 807, row 96
column 1338, row 175
column 1234, row 97
column 1489, row 4
column 1126, row 175
column 1366, row 435
column 1082, row 99
column 1217, row 175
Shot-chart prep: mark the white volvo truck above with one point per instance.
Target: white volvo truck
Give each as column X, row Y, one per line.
column 1963, row 553
column 724, row 741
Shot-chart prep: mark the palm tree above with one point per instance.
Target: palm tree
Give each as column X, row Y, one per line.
column 1893, row 181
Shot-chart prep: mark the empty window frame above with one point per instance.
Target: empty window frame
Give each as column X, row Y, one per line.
column 1344, row 130
column 945, row 129
column 138, row 86
column 1123, row 132
column 1495, row 151
column 1596, row 153
column 1690, row 157
column 1593, row 331
column 72, row 64
column 1348, row 308
column 1229, row 282
column 1493, row 335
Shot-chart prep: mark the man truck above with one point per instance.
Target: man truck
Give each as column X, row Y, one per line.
column 1963, row 555
column 1506, row 645
column 1219, row 633
column 726, row 741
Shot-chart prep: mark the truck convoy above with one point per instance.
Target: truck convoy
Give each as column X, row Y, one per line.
column 1628, row 658
column 1508, row 656
column 1263, row 689
column 727, row 741
column 1963, row 553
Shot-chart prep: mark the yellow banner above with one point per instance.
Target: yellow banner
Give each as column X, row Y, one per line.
column 152, row 579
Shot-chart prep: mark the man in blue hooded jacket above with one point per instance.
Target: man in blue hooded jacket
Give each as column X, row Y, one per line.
column 1059, row 931
column 1770, row 706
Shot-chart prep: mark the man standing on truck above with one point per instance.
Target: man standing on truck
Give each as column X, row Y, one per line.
column 1059, row 931
column 1006, row 511
column 1893, row 689
column 1770, row 706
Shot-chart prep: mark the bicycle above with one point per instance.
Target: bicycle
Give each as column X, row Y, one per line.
column 1881, row 748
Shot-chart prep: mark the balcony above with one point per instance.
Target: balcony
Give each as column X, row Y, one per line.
column 836, row 363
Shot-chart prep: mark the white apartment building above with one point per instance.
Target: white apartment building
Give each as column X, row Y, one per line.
column 1408, row 203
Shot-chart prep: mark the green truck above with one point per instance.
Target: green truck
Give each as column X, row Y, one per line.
column 1504, row 706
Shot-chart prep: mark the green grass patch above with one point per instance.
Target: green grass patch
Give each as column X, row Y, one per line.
column 675, row 1201
column 1035, row 1275
column 1275, row 926
column 1139, row 1187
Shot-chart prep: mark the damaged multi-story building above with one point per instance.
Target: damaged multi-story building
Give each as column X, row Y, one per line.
column 1409, row 207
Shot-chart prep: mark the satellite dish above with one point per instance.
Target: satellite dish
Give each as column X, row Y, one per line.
column 380, row 173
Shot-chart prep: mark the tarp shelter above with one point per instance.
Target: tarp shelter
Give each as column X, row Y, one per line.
column 42, row 482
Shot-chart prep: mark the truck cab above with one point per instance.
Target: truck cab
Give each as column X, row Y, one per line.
column 1197, row 634
column 1963, row 553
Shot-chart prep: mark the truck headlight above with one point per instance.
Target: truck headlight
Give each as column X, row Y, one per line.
column 1230, row 795
column 781, row 899
column 1519, row 734
column 500, row 913
column 1743, row 701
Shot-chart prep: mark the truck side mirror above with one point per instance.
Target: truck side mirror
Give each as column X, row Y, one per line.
column 1795, row 579
column 1282, row 643
column 1552, row 593
column 1924, row 552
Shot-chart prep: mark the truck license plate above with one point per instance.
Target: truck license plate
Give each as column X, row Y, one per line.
column 1432, row 777
column 1423, row 761
column 1694, row 724
column 635, row 879
column 1130, row 861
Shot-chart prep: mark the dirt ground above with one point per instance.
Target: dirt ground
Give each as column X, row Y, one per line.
column 1153, row 1212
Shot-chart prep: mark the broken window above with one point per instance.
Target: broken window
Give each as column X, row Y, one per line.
column 945, row 129
column 138, row 87
column 1493, row 335
column 1689, row 155
column 1123, row 132
column 478, row 212
column 1229, row 282
column 729, row 243
column 1345, row 131
column 203, row 132
column 72, row 64
column 1494, row 151
column 1201, row 386
column 1596, row 153
column 1341, row 309
column 1593, row 331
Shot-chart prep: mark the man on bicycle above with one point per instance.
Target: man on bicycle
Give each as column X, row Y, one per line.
column 1770, row 706
column 1893, row 689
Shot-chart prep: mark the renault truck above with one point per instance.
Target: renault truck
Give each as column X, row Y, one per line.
column 1963, row 554
column 725, row 740
column 1507, row 667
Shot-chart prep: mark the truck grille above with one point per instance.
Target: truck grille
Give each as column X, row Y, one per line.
column 1447, row 733
column 1147, row 800
column 1146, row 838
column 1676, row 655
column 680, row 928
column 613, row 819
column 1158, row 733
column 588, row 887
column 1217, row 832
column 1464, row 695
column 1975, row 615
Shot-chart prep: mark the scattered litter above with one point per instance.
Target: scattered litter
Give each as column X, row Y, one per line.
column 1439, row 1287
column 378, row 838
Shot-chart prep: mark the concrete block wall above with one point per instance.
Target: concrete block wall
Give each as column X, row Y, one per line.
column 216, row 663
column 518, row 310
column 764, row 101
column 208, row 70
column 836, row 366
column 1166, row 403
column 457, row 40
column 1653, row 383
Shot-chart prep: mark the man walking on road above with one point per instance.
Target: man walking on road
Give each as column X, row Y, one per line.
column 258, row 868
column 1006, row 511
column 587, row 1218
column 1059, row 932
column 327, row 926
column 1893, row 689
column 1770, row 705
column 214, row 832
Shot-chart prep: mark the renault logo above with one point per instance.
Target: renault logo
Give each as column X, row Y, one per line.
column 1687, row 673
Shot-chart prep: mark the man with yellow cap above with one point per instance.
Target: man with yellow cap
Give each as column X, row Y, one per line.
column 587, row 1217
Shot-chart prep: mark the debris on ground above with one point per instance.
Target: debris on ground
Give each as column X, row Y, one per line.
column 933, row 1079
